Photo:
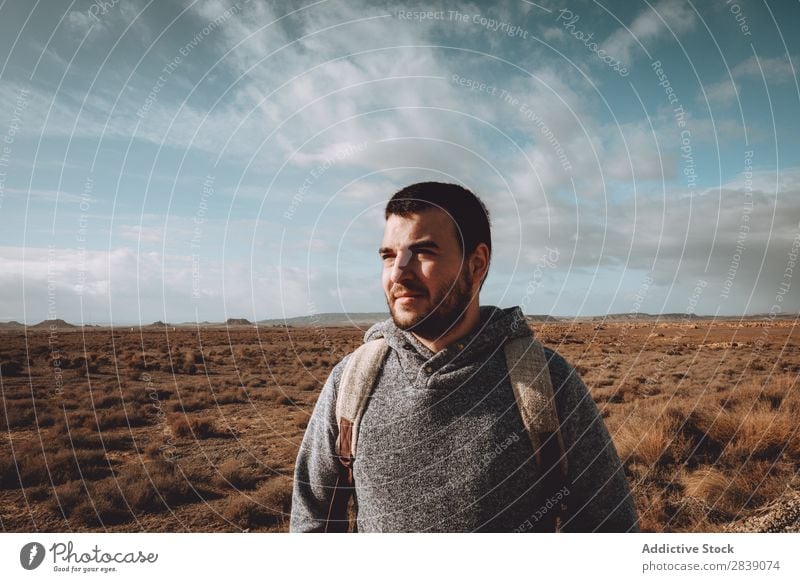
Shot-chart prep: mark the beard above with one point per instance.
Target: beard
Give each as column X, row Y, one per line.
column 448, row 305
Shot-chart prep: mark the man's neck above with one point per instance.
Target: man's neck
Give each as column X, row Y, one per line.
column 462, row 329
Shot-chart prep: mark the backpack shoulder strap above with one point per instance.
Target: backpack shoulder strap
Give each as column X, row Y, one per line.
column 356, row 384
column 533, row 389
column 358, row 380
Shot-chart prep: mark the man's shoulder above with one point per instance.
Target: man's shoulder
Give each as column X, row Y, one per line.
column 554, row 359
column 346, row 357
column 338, row 368
column 561, row 369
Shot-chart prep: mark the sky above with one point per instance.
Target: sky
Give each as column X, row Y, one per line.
column 195, row 161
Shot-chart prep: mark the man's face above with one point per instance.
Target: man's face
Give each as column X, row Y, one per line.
column 426, row 282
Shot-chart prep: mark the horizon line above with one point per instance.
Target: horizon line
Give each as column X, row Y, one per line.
column 354, row 315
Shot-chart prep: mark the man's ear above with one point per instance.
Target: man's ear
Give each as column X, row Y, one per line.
column 479, row 263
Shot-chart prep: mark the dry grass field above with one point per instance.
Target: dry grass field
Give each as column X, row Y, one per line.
column 196, row 429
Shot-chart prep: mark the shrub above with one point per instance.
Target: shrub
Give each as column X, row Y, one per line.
column 268, row 505
column 87, row 370
column 37, row 467
column 67, row 497
column 148, row 487
column 198, row 427
column 180, row 426
column 275, row 498
column 710, row 428
column 17, row 415
column 729, row 494
column 646, row 440
column 83, row 438
column 80, row 418
column 308, row 385
column 8, row 470
column 132, row 416
column 763, row 433
column 38, row 493
column 91, row 439
column 112, row 419
column 243, row 512
column 9, row 369
column 161, row 451
column 190, row 404
column 107, row 401
column 232, row 396
column 103, row 507
column 283, row 399
column 233, row 474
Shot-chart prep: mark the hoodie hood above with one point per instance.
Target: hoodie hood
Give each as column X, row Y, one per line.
column 496, row 325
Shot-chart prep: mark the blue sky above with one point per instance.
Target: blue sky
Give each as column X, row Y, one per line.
column 183, row 161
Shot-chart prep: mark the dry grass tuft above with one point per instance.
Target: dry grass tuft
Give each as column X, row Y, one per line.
column 202, row 427
column 233, row 474
column 135, row 490
column 10, row 369
column 35, row 465
column 268, row 505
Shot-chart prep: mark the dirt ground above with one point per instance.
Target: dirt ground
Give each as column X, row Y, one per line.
column 180, row 429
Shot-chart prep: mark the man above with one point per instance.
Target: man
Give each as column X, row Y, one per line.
column 441, row 443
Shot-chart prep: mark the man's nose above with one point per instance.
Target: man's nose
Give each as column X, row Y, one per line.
column 400, row 266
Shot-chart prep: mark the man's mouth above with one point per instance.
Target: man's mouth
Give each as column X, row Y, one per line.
column 407, row 297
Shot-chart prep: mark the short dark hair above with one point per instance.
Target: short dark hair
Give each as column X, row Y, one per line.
column 467, row 210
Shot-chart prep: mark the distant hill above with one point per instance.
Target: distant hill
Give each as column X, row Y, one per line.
column 238, row 321
column 541, row 319
column 50, row 323
column 329, row 320
column 11, row 325
column 676, row 317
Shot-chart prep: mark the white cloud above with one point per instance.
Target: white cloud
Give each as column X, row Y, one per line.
column 81, row 21
column 374, row 191
column 722, row 93
column 145, row 234
column 635, row 154
column 775, row 70
column 650, row 25
column 689, row 238
column 552, row 34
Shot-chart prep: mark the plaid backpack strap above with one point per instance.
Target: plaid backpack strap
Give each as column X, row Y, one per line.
column 358, row 380
column 533, row 390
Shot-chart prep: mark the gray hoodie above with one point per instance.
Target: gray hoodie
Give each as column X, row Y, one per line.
column 442, row 447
